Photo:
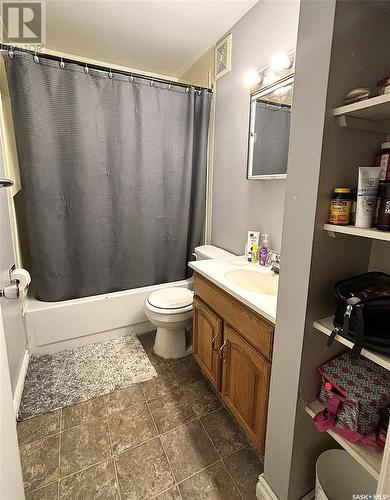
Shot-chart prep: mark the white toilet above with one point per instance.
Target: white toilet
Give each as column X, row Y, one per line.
column 170, row 310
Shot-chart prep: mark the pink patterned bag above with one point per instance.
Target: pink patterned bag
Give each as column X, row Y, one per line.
column 355, row 393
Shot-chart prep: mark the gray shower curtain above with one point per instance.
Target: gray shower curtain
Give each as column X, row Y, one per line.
column 113, row 175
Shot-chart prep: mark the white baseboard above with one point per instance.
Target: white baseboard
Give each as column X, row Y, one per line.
column 20, row 383
column 264, row 490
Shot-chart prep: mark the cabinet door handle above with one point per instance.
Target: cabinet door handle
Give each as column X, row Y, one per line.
column 221, row 350
column 213, row 343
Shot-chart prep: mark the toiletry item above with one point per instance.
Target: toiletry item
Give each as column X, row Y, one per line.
column 356, row 95
column 383, row 86
column 352, row 216
column 255, row 249
column 379, row 195
column 384, row 210
column 264, row 251
column 382, row 160
column 253, row 237
column 340, row 206
column 366, row 195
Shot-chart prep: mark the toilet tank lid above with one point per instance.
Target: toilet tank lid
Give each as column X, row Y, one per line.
column 212, row 252
column 171, row 298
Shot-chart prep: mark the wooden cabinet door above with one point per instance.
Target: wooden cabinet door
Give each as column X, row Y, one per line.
column 207, row 339
column 245, row 385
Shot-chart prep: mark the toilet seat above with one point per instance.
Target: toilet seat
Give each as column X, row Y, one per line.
column 170, row 300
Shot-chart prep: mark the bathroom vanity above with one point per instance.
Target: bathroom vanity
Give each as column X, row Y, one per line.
column 233, row 339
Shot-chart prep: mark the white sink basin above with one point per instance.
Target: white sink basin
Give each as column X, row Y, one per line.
column 253, row 280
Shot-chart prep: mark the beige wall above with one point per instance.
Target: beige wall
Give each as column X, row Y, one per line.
column 201, row 72
column 240, row 205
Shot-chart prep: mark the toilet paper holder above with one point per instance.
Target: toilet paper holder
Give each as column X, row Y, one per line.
column 19, row 280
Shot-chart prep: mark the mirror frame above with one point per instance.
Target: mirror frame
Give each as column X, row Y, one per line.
column 252, row 117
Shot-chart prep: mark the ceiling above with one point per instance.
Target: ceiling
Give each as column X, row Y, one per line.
column 159, row 36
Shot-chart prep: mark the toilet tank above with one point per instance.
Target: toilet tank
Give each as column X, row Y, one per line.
column 211, row 252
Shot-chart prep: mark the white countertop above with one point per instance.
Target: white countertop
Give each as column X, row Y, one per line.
column 215, row 269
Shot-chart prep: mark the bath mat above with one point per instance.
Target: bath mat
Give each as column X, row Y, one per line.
column 57, row 380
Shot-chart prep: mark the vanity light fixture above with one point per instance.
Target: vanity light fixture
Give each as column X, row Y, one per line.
column 252, row 78
column 269, row 78
column 281, row 61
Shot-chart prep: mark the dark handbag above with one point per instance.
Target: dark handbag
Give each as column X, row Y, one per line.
column 363, row 312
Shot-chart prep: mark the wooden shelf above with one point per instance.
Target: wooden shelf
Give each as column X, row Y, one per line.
column 371, row 114
column 370, row 459
column 358, row 231
column 326, row 326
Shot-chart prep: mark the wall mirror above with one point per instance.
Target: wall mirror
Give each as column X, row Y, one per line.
column 269, row 130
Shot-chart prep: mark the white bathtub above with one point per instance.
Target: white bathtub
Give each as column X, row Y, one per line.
column 56, row 326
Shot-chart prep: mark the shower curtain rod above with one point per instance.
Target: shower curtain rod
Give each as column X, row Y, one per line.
column 11, row 48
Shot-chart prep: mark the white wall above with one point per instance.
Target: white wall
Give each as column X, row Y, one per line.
column 11, row 482
column 240, row 205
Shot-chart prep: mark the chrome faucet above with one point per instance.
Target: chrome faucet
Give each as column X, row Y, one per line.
column 275, row 261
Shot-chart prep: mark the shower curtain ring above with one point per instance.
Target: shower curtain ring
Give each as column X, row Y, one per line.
column 151, row 83
column 131, row 78
column 62, row 64
column 110, row 74
column 36, row 58
column 169, row 85
column 11, row 54
column 86, row 69
column 187, row 89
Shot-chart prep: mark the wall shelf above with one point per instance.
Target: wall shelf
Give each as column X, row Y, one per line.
column 326, row 326
column 357, row 231
column 371, row 115
column 370, row 459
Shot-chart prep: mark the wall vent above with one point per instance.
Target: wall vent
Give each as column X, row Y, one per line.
column 223, row 57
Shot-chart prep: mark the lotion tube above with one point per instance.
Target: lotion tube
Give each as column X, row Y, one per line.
column 366, row 195
column 253, row 239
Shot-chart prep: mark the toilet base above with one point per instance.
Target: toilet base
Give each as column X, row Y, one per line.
column 170, row 343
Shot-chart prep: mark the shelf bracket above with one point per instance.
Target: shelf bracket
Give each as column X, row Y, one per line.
column 346, row 121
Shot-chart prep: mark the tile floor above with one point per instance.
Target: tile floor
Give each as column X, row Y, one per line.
column 169, row 438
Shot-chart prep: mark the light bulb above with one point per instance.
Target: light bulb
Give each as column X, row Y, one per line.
column 280, row 61
column 252, row 78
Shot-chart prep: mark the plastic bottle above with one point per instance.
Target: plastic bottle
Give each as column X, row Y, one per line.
column 264, row 251
column 382, row 160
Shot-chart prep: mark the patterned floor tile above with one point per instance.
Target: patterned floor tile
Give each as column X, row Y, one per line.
column 165, row 383
column 171, row 410
column 186, row 371
column 212, row 483
column 49, row 492
column 143, row 471
column 202, row 398
column 83, row 446
column 38, row 427
column 131, row 427
column 124, row 398
column 224, row 432
column 39, row 461
column 83, row 412
column 245, row 467
column 97, row 482
column 188, row 449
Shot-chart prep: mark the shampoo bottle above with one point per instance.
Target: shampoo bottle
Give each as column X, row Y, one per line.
column 264, row 251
